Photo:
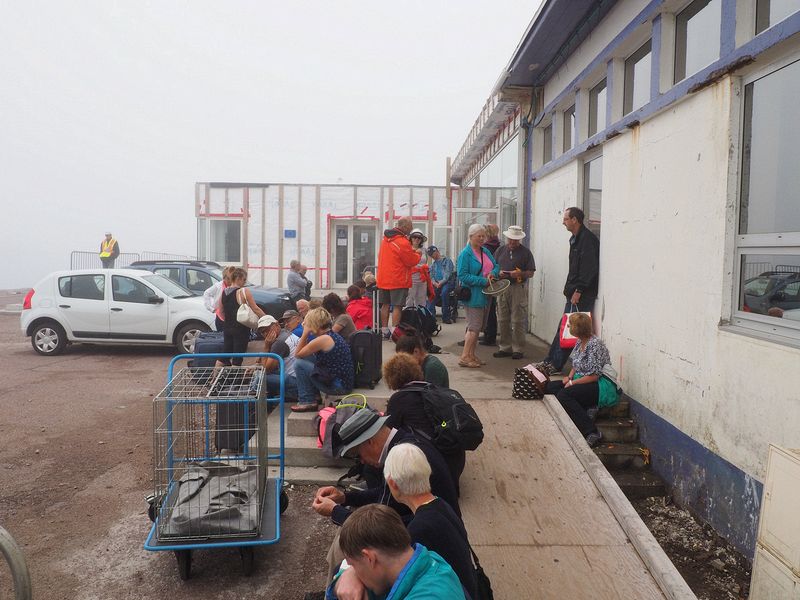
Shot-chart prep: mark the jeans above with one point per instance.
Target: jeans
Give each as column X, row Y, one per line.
column 307, row 387
column 557, row 357
column 274, row 386
column 442, row 293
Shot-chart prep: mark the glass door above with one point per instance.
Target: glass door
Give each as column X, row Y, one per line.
column 464, row 217
column 354, row 250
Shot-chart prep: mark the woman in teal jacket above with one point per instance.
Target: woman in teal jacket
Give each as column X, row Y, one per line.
column 476, row 269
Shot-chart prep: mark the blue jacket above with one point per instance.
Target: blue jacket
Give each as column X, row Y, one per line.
column 426, row 575
column 443, row 270
column 470, row 274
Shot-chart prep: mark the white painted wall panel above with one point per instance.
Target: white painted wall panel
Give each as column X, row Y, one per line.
column 217, row 201
column 254, row 232
column 272, row 236
column 291, row 197
column 368, row 202
column 308, row 219
column 235, row 201
column 664, row 287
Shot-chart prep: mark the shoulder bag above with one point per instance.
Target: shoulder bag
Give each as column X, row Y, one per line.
column 463, row 292
column 245, row 314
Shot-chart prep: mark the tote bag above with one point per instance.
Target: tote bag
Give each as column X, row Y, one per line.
column 245, row 314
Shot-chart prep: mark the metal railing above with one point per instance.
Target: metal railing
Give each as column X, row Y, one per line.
column 147, row 255
column 91, row 260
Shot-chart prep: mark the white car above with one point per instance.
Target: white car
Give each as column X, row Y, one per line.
column 112, row 306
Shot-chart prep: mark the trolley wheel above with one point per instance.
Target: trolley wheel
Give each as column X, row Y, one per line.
column 284, row 501
column 184, row 558
column 248, row 555
column 151, row 512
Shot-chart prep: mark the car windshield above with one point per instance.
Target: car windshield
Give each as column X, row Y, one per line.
column 169, row 287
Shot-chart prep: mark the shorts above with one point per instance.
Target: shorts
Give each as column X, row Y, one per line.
column 477, row 318
column 393, row 297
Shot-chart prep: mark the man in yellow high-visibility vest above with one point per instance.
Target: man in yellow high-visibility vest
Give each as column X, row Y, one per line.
column 109, row 250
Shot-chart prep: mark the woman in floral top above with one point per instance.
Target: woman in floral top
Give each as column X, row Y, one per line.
column 580, row 390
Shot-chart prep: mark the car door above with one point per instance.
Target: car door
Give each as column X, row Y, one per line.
column 83, row 304
column 198, row 281
column 138, row 312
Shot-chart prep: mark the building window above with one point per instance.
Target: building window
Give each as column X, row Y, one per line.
column 637, row 79
column 769, row 12
column 768, row 244
column 547, row 144
column 570, row 137
column 597, row 108
column 220, row 240
column 697, row 30
column 593, row 193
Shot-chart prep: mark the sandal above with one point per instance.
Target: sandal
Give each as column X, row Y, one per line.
column 469, row 364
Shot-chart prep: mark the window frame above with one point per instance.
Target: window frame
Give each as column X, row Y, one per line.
column 547, row 143
column 687, row 14
column 205, row 249
column 771, row 328
column 152, row 293
column 569, row 129
column 72, row 278
column 586, row 159
column 630, row 76
column 594, row 107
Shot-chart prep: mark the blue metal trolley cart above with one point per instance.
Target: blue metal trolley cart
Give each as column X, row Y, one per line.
column 211, row 482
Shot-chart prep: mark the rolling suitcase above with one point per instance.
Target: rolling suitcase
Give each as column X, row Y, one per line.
column 209, row 342
column 366, row 347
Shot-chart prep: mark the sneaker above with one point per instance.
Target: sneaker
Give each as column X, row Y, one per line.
column 594, row 438
column 516, row 355
column 502, row 354
column 447, row 322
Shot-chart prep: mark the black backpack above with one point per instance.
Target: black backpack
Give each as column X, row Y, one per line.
column 456, row 426
column 421, row 319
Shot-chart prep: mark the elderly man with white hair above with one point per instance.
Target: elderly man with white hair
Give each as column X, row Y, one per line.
column 435, row 525
column 477, row 268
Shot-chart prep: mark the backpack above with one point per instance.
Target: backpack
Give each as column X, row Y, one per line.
column 456, row 425
column 421, row 319
column 329, row 420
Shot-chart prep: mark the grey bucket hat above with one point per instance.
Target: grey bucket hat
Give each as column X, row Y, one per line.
column 360, row 427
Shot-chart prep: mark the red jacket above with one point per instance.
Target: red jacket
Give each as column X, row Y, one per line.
column 360, row 310
column 395, row 260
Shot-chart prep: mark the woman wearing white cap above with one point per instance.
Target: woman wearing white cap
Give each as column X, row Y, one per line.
column 418, row 294
column 477, row 268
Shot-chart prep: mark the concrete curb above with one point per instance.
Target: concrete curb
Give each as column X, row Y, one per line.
column 658, row 563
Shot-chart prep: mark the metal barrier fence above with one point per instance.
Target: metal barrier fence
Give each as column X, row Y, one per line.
column 91, row 260
column 147, row 255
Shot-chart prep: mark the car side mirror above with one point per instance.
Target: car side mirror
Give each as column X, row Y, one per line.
column 155, row 300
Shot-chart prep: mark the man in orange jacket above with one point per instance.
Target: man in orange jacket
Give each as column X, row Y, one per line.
column 396, row 258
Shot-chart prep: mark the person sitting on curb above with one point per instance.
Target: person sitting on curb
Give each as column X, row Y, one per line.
column 433, row 369
column 379, row 551
column 279, row 339
column 365, row 435
column 406, row 407
column 579, row 391
column 332, row 372
column 359, row 307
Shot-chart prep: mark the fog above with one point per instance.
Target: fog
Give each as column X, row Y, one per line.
column 111, row 111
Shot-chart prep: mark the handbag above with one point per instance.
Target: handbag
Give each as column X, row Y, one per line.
column 484, row 584
column 245, row 314
column 608, row 387
column 567, row 341
column 529, row 383
column 463, row 292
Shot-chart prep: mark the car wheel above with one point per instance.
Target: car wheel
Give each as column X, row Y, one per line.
column 49, row 339
column 187, row 335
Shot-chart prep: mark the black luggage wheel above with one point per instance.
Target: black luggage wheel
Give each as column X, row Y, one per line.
column 184, row 558
column 284, row 501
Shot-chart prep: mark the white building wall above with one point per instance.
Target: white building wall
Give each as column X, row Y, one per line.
column 665, row 282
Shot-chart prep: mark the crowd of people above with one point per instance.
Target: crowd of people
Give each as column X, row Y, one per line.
column 403, row 531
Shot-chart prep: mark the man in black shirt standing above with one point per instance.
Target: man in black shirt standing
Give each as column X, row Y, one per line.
column 517, row 265
column 580, row 289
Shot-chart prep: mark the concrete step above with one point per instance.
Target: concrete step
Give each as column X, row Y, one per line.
column 639, row 484
column 618, row 430
column 299, row 450
column 310, row 475
column 616, row 457
column 301, row 424
column 621, row 410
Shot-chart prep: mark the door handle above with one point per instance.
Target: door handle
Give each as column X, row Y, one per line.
column 116, row 309
column 63, row 306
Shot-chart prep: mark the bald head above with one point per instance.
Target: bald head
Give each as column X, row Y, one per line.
column 405, row 225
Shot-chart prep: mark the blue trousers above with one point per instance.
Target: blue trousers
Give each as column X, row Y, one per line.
column 307, row 387
column 557, row 357
column 442, row 293
column 274, row 386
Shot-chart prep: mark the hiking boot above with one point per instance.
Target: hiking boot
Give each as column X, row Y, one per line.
column 594, row 438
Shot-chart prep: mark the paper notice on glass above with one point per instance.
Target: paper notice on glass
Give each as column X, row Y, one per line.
column 341, row 241
column 364, row 238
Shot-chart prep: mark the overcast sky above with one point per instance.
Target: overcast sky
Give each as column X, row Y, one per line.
column 111, row 111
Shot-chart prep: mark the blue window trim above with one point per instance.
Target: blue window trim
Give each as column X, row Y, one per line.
column 745, row 54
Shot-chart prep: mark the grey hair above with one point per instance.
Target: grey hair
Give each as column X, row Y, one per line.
column 408, row 467
column 476, row 228
column 294, row 265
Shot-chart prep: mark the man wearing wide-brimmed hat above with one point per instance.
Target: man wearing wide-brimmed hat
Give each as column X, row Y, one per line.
column 517, row 265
